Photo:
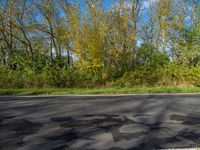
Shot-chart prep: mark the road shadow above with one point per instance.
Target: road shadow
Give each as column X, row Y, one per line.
column 149, row 134
column 132, row 127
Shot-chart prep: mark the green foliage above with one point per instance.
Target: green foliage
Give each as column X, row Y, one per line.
column 60, row 44
column 149, row 56
column 65, row 91
column 190, row 50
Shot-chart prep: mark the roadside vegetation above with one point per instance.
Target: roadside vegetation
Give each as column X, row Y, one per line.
column 81, row 45
column 83, row 91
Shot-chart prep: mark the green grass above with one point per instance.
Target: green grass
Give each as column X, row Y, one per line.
column 63, row 91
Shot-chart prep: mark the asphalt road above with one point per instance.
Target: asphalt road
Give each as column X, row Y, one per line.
column 100, row 122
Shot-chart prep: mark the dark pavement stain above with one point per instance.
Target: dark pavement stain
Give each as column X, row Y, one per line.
column 13, row 131
column 193, row 136
column 156, row 143
column 79, row 128
column 107, row 123
column 188, row 120
column 62, row 119
column 3, row 118
column 66, row 136
column 112, row 124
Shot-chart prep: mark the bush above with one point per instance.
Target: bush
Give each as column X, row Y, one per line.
column 52, row 76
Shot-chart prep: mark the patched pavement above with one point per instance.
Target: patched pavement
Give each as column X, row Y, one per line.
column 100, row 122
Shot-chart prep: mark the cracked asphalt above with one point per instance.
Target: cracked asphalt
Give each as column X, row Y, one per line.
column 111, row 122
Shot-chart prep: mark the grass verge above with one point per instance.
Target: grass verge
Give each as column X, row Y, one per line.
column 65, row 91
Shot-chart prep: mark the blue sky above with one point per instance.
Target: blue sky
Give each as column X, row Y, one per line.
column 107, row 3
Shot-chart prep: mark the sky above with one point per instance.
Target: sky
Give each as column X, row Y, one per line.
column 107, row 3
